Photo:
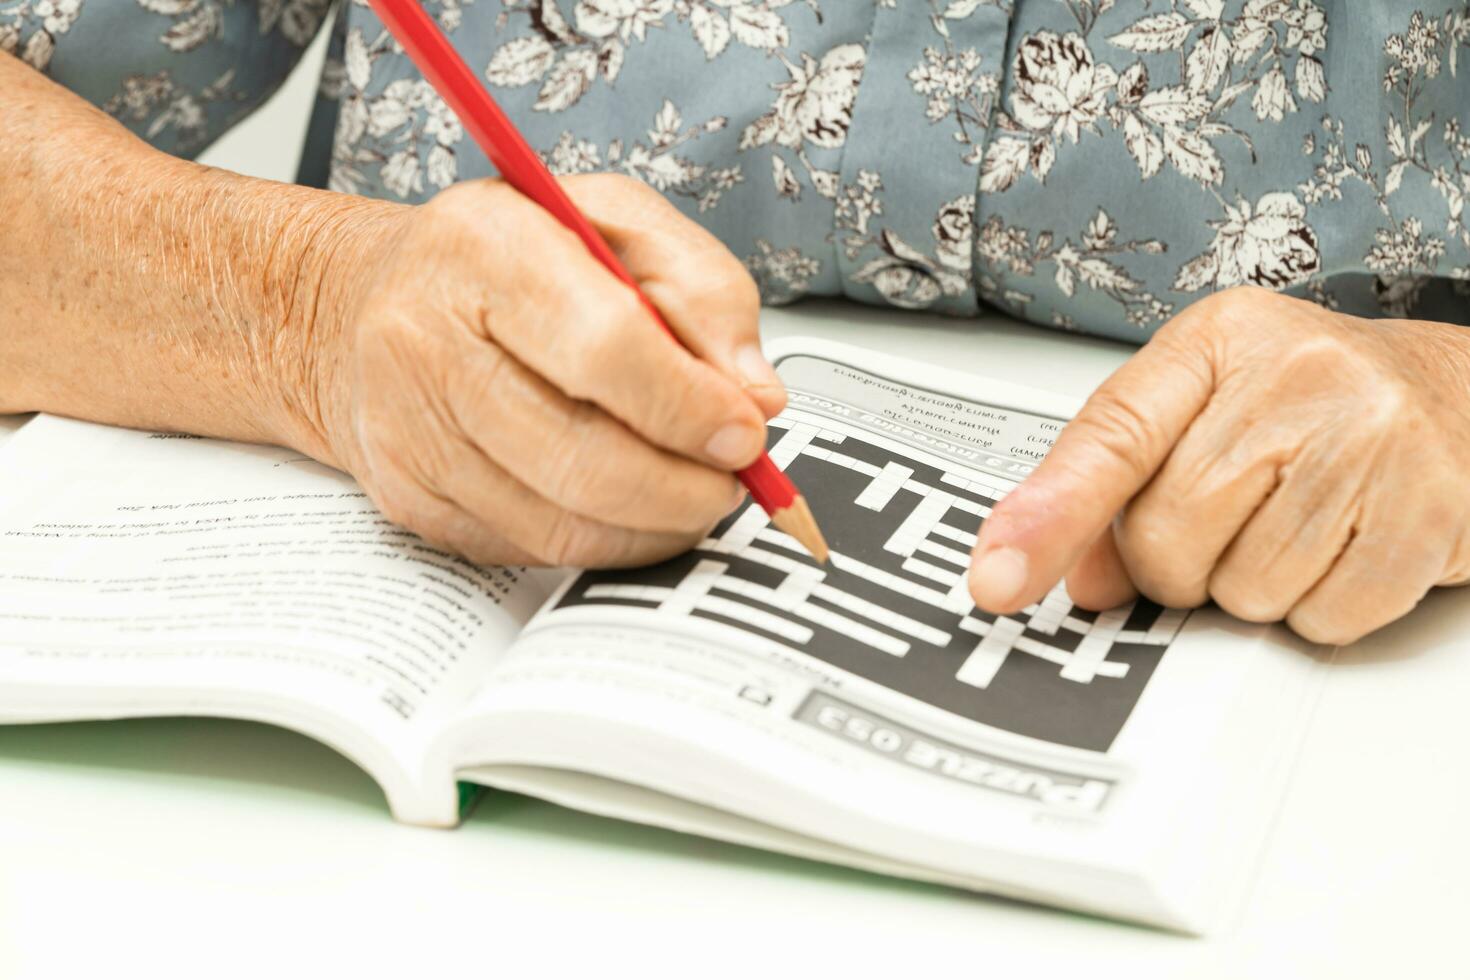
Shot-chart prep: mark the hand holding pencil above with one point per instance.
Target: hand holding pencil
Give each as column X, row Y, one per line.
column 505, row 392
column 519, row 165
column 497, row 391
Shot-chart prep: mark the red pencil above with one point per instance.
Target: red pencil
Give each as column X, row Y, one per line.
column 519, row 165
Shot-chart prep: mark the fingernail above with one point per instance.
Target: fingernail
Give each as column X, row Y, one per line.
column 754, row 369
column 734, row 445
column 998, row 577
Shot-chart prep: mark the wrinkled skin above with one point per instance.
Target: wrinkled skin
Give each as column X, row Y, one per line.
column 488, row 382
column 1284, row 461
column 497, row 391
column 500, row 393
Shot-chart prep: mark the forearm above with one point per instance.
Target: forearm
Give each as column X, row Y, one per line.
column 143, row 290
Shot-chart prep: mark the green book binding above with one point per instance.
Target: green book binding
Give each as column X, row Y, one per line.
column 469, row 795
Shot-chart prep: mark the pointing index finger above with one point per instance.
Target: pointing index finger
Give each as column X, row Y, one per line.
column 1102, row 459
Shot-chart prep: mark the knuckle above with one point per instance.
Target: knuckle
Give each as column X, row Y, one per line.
column 1236, row 306
column 678, row 409
column 599, row 491
column 1235, row 311
column 470, row 194
column 569, row 540
column 1012, row 512
column 396, row 511
column 473, row 385
column 1333, row 364
column 389, row 338
column 567, row 478
column 498, row 554
column 558, row 542
column 1248, row 597
column 1316, row 354
column 675, row 498
column 1247, row 298
column 603, row 490
column 734, row 290
column 1170, row 597
column 697, row 505
column 473, row 539
column 1158, row 558
column 1116, row 428
column 463, row 205
column 434, row 460
column 1166, row 590
column 602, row 486
column 400, row 475
column 1389, row 405
column 624, row 323
column 424, row 455
column 637, row 190
column 679, row 417
column 403, row 509
column 1393, row 410
column 452, row 534
column 450, row 203
column 1308, row 622
column 608, row 182
column 613, row 323
column 648, row 549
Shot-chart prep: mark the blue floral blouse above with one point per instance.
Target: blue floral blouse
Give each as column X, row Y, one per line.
column 1089, row 164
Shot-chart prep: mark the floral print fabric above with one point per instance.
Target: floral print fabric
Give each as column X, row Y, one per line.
column 1088, row 164
column 1146, row 154
column 178, row 72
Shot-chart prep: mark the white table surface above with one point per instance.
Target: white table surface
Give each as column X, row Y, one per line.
column 205, row 848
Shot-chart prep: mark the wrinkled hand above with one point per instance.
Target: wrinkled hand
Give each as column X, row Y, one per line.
column 497, row 391
column 1285, row 461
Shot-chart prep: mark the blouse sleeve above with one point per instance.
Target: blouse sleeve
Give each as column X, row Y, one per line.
column 176, row 72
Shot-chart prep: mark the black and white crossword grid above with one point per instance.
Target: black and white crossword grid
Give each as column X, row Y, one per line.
column 893, row 606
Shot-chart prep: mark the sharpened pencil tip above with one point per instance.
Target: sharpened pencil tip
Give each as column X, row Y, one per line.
column 797, row 521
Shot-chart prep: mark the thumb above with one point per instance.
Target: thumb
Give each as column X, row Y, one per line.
column 1102, row 459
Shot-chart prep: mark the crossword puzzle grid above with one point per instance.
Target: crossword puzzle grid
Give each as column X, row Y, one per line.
column 894, row 606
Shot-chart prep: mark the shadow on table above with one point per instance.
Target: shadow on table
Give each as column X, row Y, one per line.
column 1438, row 625
column 201, row 750
column 247, row 756
column 237, row 756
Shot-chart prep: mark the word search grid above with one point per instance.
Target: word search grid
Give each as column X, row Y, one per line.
column 893, row 606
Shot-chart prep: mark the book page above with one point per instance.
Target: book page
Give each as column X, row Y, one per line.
column 143, row 573
column 869, row 700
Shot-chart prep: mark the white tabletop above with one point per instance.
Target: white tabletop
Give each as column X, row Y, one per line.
column 206, row 848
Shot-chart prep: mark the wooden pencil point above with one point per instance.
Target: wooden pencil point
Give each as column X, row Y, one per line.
column 796, row 520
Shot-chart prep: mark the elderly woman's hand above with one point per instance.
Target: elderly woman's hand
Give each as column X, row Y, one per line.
column 499, row 392
column 490, row 384
column 1285, row 461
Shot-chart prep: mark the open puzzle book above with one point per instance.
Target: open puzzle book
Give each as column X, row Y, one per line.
column 1126, row 763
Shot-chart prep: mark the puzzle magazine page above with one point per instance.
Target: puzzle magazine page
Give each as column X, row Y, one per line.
column 1059, row 754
